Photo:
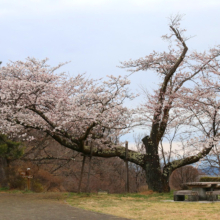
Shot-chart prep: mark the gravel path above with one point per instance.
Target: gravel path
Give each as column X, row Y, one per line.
column 36, row 207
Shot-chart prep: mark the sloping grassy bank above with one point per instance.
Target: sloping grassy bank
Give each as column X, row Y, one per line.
column 151, row 206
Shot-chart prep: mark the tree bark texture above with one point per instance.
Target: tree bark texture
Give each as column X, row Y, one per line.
column 155, row 178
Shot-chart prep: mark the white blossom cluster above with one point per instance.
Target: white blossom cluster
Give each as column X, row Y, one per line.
column 76, row 108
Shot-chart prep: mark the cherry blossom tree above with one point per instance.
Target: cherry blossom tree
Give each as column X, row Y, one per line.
column 178, row 70
column 205, row 114
column 71, row 110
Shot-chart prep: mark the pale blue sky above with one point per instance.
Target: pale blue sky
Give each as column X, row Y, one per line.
column 96, row 34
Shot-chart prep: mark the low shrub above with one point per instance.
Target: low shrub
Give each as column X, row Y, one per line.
column 143, row 188
column 43, row 179
column 209, row 179
column 14, row 180
column 36, row 186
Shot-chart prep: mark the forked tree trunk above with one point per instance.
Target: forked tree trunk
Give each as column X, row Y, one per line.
column 155, row 179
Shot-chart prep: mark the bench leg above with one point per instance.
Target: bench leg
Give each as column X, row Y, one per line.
column 179, row 197
column 193, row 198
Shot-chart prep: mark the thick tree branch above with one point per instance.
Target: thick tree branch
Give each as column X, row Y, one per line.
column 158, row 112
column 170, row 167
column 119, row 151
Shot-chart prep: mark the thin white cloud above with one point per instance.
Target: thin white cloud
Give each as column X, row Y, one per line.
column 48, row 7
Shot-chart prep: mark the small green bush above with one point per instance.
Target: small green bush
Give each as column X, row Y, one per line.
column 4, row 188
column 36, row 186
column 209, row 179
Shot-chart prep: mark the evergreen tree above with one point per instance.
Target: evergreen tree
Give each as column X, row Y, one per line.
column 9, row 151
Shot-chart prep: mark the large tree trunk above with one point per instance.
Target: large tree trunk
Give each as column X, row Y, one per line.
column 155, row 178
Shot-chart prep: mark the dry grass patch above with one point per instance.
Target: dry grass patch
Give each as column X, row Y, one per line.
column 60, row 196
column 136, row 206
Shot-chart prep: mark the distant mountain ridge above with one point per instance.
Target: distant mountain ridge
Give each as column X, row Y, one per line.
column 211, row 171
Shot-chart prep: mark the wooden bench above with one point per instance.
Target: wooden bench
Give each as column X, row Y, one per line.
column 212, row 195
column 180, row 195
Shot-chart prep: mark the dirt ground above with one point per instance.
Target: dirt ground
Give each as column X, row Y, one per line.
column 19, row 206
